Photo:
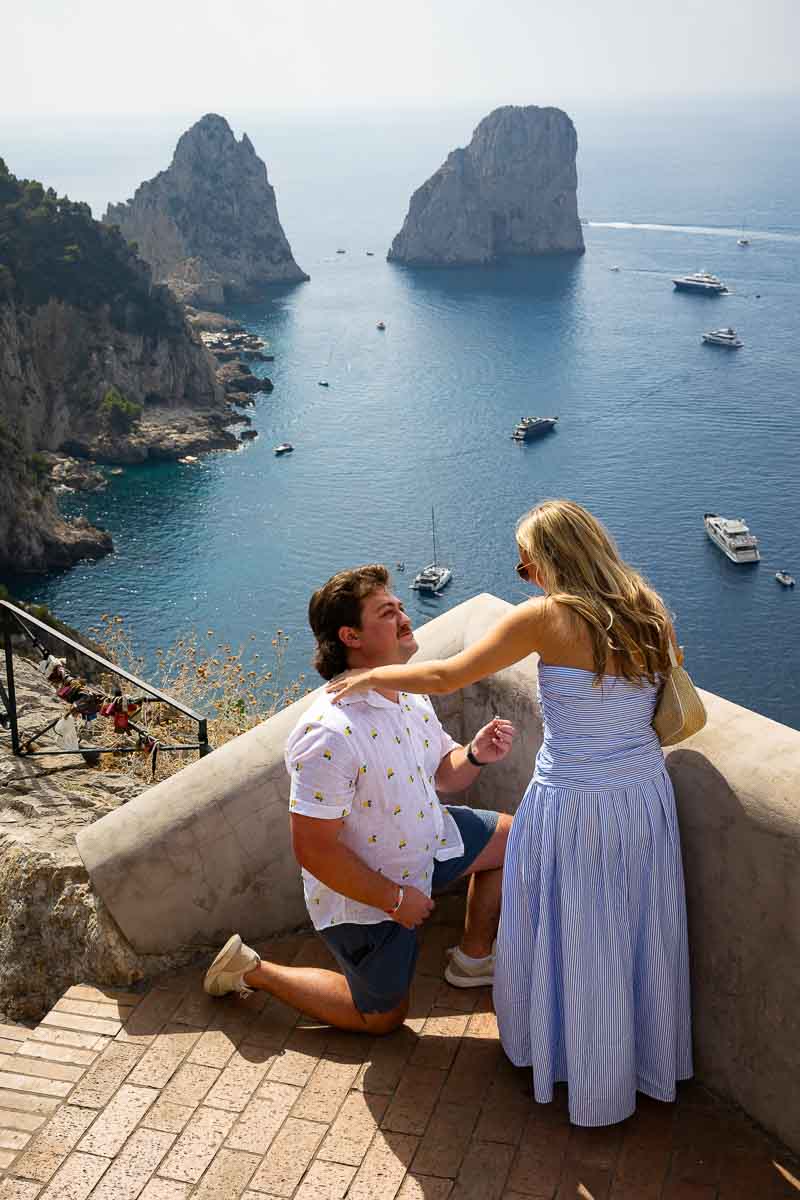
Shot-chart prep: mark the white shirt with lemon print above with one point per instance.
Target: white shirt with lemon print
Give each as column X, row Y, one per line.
column 373, row 762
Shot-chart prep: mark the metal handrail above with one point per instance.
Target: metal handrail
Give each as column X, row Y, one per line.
column 11, row 613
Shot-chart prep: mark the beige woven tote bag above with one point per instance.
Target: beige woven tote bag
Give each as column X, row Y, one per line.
column 680, row 712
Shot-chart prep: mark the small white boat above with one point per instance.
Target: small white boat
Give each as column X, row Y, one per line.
column 323, row 383
column 784, row 578
column 188, row 458
column 613, row 268
column 283, row 448
column 381, row 325
column 435, row 576
column 723, row 337
column 743, row 241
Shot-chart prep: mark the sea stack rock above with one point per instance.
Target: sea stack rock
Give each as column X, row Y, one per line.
column 511, row 192
column 208, row 225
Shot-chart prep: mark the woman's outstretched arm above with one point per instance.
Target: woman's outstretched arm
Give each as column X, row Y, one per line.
column 513, row 637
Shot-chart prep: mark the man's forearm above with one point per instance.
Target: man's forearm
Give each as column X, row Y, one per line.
column 455, row 771
column 345, row 873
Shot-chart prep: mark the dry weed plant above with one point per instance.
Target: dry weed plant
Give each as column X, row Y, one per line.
column 235, row 689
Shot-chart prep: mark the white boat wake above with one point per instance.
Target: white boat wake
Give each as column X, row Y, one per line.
column 719, row 231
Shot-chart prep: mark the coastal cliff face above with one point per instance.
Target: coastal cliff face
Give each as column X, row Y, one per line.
column 208, row 225
column 90, row 353
column 511, row 192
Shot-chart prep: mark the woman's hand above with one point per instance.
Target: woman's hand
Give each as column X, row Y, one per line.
column 349, row 682
column 493, row 741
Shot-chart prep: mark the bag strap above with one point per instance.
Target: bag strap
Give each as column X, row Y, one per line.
column 673, row 658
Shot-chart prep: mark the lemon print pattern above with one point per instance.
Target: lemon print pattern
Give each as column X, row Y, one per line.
column 318, row 796
column 389, row 773
column 348, row 731
column 327, row 754
column 366, row 803
column 406, row 874
column 397, row 810
column 401, row 845
column 372, row 839
column 373, row 733
column 362, row 770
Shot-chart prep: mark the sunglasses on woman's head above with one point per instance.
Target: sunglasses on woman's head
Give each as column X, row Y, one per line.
column 523, row 569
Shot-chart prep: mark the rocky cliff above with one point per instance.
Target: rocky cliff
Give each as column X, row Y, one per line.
column 512, row 191
column 90, row 352
column 208, row 225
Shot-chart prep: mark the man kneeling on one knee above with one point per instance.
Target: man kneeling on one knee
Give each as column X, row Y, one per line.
column 369, row 831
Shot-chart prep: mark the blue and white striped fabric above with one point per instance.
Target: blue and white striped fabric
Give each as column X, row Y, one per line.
column 592, row 970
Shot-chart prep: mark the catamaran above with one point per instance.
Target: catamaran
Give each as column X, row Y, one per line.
column 436, row 575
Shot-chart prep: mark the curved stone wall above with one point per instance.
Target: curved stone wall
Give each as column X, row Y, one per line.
column 208, row 851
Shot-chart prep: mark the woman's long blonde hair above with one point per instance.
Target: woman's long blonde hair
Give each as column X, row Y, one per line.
column 580, row 567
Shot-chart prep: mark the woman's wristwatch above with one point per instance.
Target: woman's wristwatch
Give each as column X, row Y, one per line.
column 476, row 762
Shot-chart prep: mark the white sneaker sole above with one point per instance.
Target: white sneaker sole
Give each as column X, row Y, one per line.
column 228, row 951
column 466, row 981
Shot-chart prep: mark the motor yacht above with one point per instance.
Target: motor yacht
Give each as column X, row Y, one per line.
column 533, row 427
column 701, row 281
column 784, row 578
column 283, row 448
column 733, row 537
column 723, row 337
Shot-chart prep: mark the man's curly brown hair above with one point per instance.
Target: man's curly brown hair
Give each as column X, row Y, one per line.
column 338, row 603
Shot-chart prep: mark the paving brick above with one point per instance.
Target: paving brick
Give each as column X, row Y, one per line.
column 18, row 1189
column 60, row 1135
column 215, row 1046
column 190, row 1083
column 506, row 1109
column 273, row 1025
column 6, row 1158
column 86, row 1008
column 423, row 994
column 325, row 1181
column 482, row 1025
column 67, row 1020
column 133, row 1166
column 472, row 1071
column 9, row 1046
column 624, row 1189
column 239, row 1079
column 414, row 1100
column 539, row 1162
column 13, row 1139
column 149, row 1017
column 386, row 1061
column 324, row 1094
column 385, row 1164
column 263, row 1117
column 228, row 1175
column 59, row 1054
column 164, row 1055
column 682, row 1189
column 446, row 1140
column 350, row 1135
column 697, row 1164
column 75, row 1178
column 424, row 1187
column 33, row 1084
column 17, row 1033
column 168, row 1117
column 197, row 1145
column 166, row 1189
column 103, row 1079
column 196, row 1008
column 83, row 991
column 11, row 1119
column 118, row 1120
column 288, row 1157
column 24, row 1102
column 295, row 1063
column 67, row 1037
column 484, row 1172
column 439, row 1041
column 41, row 1068
column 595, row 1182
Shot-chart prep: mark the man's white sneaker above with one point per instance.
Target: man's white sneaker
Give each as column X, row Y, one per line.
column 462, row 971
column 227, row 971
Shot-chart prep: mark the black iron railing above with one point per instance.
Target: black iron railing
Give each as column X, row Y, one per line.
column 14, row 618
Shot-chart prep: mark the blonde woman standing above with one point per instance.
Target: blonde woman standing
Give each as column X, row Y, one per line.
column 592, row 971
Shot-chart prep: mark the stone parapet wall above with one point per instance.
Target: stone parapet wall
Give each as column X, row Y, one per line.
column 208, row 851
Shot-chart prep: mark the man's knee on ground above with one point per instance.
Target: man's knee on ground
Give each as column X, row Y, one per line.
column 386, row 1022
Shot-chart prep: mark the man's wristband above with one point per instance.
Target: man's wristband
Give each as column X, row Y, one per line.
column 476, row 762
column 400, row 897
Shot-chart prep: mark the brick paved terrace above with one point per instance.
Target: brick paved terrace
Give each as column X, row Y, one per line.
column 170, row 1095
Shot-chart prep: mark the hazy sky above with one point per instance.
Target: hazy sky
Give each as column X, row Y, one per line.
column 155, row 56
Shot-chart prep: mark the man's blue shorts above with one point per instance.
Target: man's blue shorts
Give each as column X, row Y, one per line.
column 379, row 960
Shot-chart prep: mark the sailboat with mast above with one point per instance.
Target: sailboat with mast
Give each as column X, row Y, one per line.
column 436, row 575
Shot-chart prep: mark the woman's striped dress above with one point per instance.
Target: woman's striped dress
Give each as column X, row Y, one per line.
column 592, row 969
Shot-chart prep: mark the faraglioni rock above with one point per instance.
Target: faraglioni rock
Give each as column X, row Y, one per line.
column 208, row 225
column 511, row 192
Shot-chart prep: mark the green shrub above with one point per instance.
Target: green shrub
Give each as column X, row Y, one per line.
column 119, row 413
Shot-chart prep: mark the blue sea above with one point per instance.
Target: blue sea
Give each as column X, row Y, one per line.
column 654, row 429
